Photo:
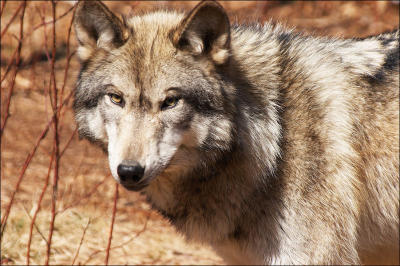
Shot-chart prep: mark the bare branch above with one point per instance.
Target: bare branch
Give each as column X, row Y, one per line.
column 22, row 5
column 56, row 141
column 10, row 93
column 112, row 224
column 46, row 184
column 80, row 243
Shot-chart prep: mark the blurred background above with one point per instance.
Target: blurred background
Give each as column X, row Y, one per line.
column 59, row 204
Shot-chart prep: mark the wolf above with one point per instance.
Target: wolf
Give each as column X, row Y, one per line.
column 272, row 146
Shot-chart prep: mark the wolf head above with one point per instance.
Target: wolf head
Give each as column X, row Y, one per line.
column 150, row 90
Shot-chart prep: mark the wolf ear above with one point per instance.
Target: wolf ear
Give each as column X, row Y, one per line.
column 97, row 27
column 205, row 31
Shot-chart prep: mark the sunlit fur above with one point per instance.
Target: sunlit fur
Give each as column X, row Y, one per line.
column 283, row 148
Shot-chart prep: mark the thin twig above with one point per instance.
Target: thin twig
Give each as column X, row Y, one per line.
column 44, row 23
column 12, row 19
column 136, row 235
column 46, row 184
column 80, row 243
column 34, row 224
column 56, row 142
column 46, row 49
column 68, row 142
column 123, row 243
column 68, row 56
column 90, row 193
column 3, row 5
column 112, row 223
column 26, row 164
column 10, row 64
column 10, row 93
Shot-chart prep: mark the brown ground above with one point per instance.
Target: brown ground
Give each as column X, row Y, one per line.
column 85, row 189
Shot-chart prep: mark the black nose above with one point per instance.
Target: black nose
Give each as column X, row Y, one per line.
column 130, row 172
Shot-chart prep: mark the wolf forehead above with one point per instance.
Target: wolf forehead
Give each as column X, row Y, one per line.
column 150, row 39
column 148, row 46
column 145, row 60
column 148, row 27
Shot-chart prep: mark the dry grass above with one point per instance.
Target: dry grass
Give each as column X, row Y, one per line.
column 138, row 238
column 85, row 193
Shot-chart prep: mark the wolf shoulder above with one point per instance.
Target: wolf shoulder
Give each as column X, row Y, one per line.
column 372, row 61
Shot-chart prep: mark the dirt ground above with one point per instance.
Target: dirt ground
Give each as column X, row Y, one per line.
column 86, row 192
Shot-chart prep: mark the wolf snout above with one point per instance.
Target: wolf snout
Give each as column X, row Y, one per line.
column 130, row 171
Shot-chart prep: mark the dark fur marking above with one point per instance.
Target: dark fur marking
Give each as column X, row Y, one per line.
column 171, row 218
column 285, row 60
column 392, row 59
column 199, row 100
column 238, row 233
column 144, row 101
column 87, row 135
column 383, row 36
column 186, row 122
column 391, row 64
column 385, row 41
column 85, row 99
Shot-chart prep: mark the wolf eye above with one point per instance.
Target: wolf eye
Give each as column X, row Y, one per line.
column 169, row 102
column 115, row 98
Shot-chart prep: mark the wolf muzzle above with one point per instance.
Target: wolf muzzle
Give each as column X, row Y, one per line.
column 130, row 174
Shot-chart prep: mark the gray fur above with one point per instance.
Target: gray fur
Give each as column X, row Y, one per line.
column 282, row 149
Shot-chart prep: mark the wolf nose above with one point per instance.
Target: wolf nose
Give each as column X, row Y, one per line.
column 131, row 172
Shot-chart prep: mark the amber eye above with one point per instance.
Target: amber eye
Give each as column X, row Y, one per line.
column 170, row 102
column 115, row 98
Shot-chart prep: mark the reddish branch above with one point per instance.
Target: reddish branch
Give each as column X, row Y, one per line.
column 44, row 23
column 36, row 227
column 10, row 64
column 56, row 155
column 112, row 224
column 26, row 164
column 22, row 5
column 46, row 49
column 68, row 142
column 46, row 184
column 3, row 5
column 80, row 243
column 123, row 243
column 89, row 194
column 56, row 141
column 69, row 56
column 17, row 61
